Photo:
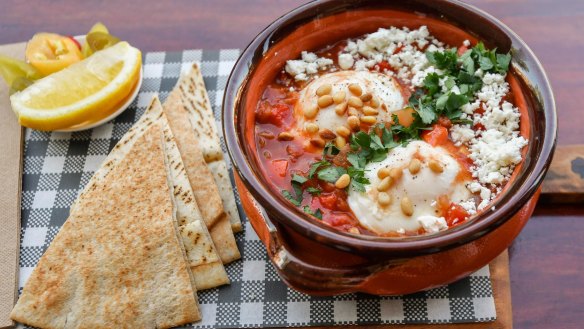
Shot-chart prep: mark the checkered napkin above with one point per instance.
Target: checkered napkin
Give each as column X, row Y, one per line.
column 58, row 165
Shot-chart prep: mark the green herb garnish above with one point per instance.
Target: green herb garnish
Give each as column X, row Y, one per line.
column 317, row 213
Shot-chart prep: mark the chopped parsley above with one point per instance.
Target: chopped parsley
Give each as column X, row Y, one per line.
column 445, row 94
column 317, row 213
column 293, row 199
column 313, row 190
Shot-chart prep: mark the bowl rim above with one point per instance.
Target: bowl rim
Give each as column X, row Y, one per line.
column 487, row 221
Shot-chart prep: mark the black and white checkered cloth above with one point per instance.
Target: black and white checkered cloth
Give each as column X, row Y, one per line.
column 58, row 165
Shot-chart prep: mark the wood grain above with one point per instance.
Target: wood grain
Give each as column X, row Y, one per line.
column 547, row 272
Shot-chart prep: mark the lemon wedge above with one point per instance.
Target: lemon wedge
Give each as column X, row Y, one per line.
column 82, row 93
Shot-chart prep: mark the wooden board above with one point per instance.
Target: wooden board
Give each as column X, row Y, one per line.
column 10, row 186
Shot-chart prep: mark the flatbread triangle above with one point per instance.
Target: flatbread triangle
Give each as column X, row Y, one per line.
column 203, row 258
column 202, row 181
column 195, row 100
column 118, row 260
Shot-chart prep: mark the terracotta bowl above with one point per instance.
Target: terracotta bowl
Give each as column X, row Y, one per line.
column 317, row 259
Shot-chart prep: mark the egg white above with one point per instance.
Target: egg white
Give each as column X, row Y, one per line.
column 423, row 189
column 382, row 86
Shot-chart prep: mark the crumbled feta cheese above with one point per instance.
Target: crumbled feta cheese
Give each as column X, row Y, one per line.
column 410, row 62
column 295, row 67
column 469, row 108
column 311, row 68
column 466, row 43
column 496, row 150
column 309, row 64
column 432, row 224
column 346, row 61
column 470, row 206
column 461, row 134
column 323, row 63
column 309, row 57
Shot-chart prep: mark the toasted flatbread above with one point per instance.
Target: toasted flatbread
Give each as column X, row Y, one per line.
column 125, row 144
column 196, row 101
column 212, row 273
column 202, row 181
column 203, row 258
column 199, row 174
column 221, row 176
column 117, row 261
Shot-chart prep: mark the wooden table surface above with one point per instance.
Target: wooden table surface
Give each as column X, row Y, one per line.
column 547, row 259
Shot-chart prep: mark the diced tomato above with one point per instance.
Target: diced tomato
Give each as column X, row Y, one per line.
column 327, row 187
column 384, row 65
column 328, row 201
column 462, row 50
column 437, row 136
column 280, row 167
column 455, row 215
column 342, row 200
column 405, row 116
column 274, row 114
column 338, row 219
column 481, row 110
column 479, row 127
column 294, row 151
column 444, row 122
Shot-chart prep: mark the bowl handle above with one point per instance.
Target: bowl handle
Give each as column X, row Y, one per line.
column 297, row 273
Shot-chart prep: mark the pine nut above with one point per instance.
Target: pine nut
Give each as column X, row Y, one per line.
column 383, row 172
column 406, row 206
column 370, row 111
column 435, row 166
column 311, row 111
column 370, row 120
column 355, row 89
column 341, row 109
column 354, row 111
column 324, row 101
column 415, row 166
column 343, row 181
column 340, row 142
column 355, row 102
column 327, row 134
column 366, row 97
column 374, row 102
column 311, row 128
column 339, row 97
column 285, row 136
column 324, row 89
column 354, row 122
column 383, row 199
column 385, row 184
column 343, row 131
column 267, row 135
column 354, row 230
column 318, row 142
column 395, row 173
